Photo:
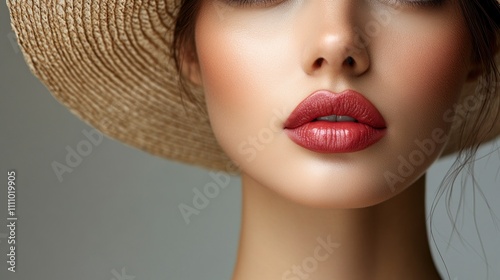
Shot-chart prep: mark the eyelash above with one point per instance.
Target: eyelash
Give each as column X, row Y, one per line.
column 415, row 3
column 265, row 3
column 252, row 3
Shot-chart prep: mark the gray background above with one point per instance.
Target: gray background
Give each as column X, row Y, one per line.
column 116, row 214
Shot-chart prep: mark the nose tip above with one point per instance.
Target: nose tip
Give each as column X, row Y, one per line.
column 336, row 47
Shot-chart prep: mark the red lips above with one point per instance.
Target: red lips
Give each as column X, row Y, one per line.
column 335, row 137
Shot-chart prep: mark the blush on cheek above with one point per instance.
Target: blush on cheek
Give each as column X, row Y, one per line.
column 229, row 88
column 226, row 67
column 435, row 67
column 442, row 66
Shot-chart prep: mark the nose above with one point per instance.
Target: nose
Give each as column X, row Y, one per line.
column 332, row 44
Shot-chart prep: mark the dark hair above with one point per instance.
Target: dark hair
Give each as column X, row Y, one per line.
column 184, row 46
column 483, row 21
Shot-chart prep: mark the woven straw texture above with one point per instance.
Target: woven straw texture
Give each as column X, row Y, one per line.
column 108, row 61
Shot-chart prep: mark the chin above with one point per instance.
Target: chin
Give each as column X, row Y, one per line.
column 344, row 181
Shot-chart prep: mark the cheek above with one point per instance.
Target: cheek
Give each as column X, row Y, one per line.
column 243, row 85
column 424, row 72
column 230, row 91
column 433, row 67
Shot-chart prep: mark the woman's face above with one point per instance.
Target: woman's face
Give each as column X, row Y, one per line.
column 258, row 61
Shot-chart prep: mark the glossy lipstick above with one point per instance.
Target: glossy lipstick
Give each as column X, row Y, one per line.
column 324, row 136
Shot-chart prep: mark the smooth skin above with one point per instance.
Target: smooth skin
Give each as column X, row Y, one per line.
column 257, row 63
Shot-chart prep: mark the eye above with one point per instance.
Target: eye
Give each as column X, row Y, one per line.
column 253, row 3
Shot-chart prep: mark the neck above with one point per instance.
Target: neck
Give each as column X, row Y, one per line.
column 280, row 239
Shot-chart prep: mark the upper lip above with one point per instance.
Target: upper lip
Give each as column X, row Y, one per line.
column 324, row 103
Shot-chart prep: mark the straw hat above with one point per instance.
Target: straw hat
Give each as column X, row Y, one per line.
column 109, row 62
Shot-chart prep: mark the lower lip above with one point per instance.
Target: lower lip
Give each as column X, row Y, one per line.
column 335, row 137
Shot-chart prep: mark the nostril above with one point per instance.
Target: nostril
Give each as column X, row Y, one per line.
column 350, row 61
column 318, row 62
